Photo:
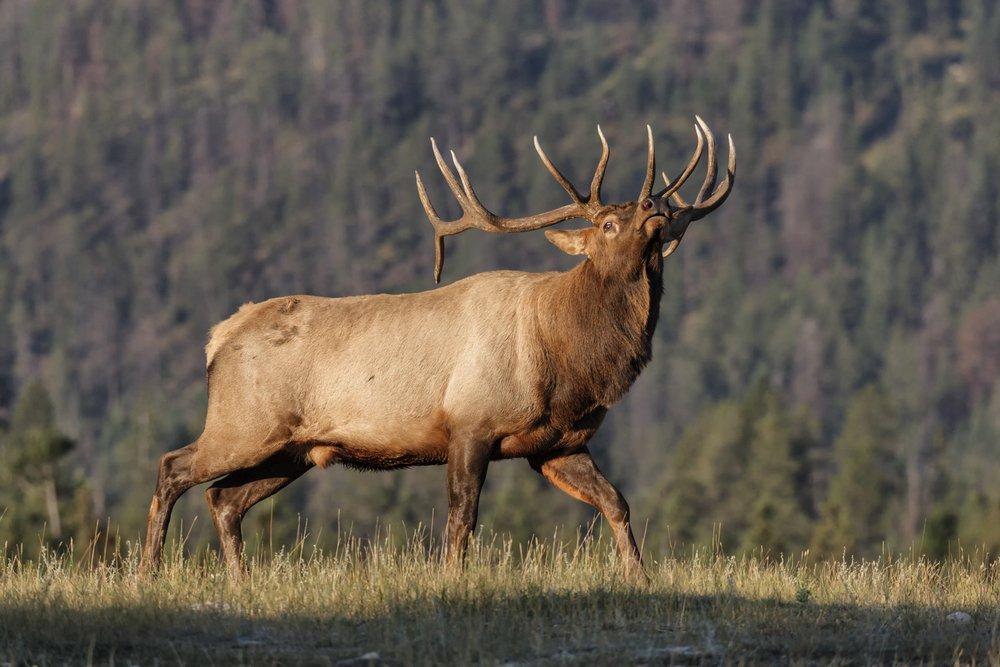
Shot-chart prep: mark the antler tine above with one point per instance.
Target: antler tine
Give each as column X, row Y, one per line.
column 595, row 185
column 425, row 200
column 675, row 196
column 476, row 215
column 671, row 187
column 438, row 225
column 709, row 181
column 647, row 183
column 669, row 249
column 556, row 174
column 461, row 172
column 446, row 172
column 722, row 192
column 471, row 199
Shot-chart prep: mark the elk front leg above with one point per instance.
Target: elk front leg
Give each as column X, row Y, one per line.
column 467, row 462
column 577, row 475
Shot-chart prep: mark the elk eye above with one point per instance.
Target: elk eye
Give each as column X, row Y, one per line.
column 608, row 226
column 648, row 204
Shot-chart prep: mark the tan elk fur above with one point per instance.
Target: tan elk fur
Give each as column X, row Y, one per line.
column 380, row 381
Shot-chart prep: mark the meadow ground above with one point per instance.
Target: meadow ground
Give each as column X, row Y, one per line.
column 375, row 603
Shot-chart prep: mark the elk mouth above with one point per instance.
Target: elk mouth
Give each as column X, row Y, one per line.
column 656, row 221
column 655, row 225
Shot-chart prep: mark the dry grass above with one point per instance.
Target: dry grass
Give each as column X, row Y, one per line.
column 546, row 605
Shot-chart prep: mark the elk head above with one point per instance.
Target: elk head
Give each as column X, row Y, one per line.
column 621, row 237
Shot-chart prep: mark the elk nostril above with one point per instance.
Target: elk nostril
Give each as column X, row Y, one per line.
column 648, row 204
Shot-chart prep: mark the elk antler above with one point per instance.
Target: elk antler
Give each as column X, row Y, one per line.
column 647, row 182
column 592, row 203
column 477, row 216
column 673, row 186
column 702, row 206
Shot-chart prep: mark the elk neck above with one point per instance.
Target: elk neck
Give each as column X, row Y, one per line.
column 598, row 328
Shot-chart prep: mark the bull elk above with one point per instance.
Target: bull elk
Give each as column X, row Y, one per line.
column 500, row 365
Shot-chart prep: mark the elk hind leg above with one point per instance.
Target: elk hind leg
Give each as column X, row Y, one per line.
column 231, row 497
column 175, row 475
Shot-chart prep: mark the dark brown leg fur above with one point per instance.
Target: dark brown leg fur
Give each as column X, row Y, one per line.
column 231, row 498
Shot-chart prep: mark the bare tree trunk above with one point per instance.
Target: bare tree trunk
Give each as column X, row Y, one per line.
column 52, row 506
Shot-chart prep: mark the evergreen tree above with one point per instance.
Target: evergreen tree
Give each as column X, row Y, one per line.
column 858, row 514
column 777, row 497
column 743, row 467
column 38, row 483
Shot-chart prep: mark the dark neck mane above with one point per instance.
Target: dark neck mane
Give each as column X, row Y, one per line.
column 599, row 329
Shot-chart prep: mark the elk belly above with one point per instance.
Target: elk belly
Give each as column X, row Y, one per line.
column 421, row 442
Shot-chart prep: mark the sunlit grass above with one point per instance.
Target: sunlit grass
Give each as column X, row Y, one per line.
column 545, row 603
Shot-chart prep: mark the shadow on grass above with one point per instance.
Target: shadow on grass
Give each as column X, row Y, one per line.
column 601, row 626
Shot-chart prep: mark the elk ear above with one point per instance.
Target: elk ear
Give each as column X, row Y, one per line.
column 570, row 241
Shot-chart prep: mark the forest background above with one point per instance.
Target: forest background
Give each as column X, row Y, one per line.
column 825, row 372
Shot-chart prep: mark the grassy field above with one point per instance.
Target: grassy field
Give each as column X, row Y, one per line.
column 373, row 603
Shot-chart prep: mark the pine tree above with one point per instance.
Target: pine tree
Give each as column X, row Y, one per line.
column 775, row 493
column 864, row 492
column 35, row 473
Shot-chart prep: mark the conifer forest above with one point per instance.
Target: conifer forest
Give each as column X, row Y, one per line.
column 826, row 368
